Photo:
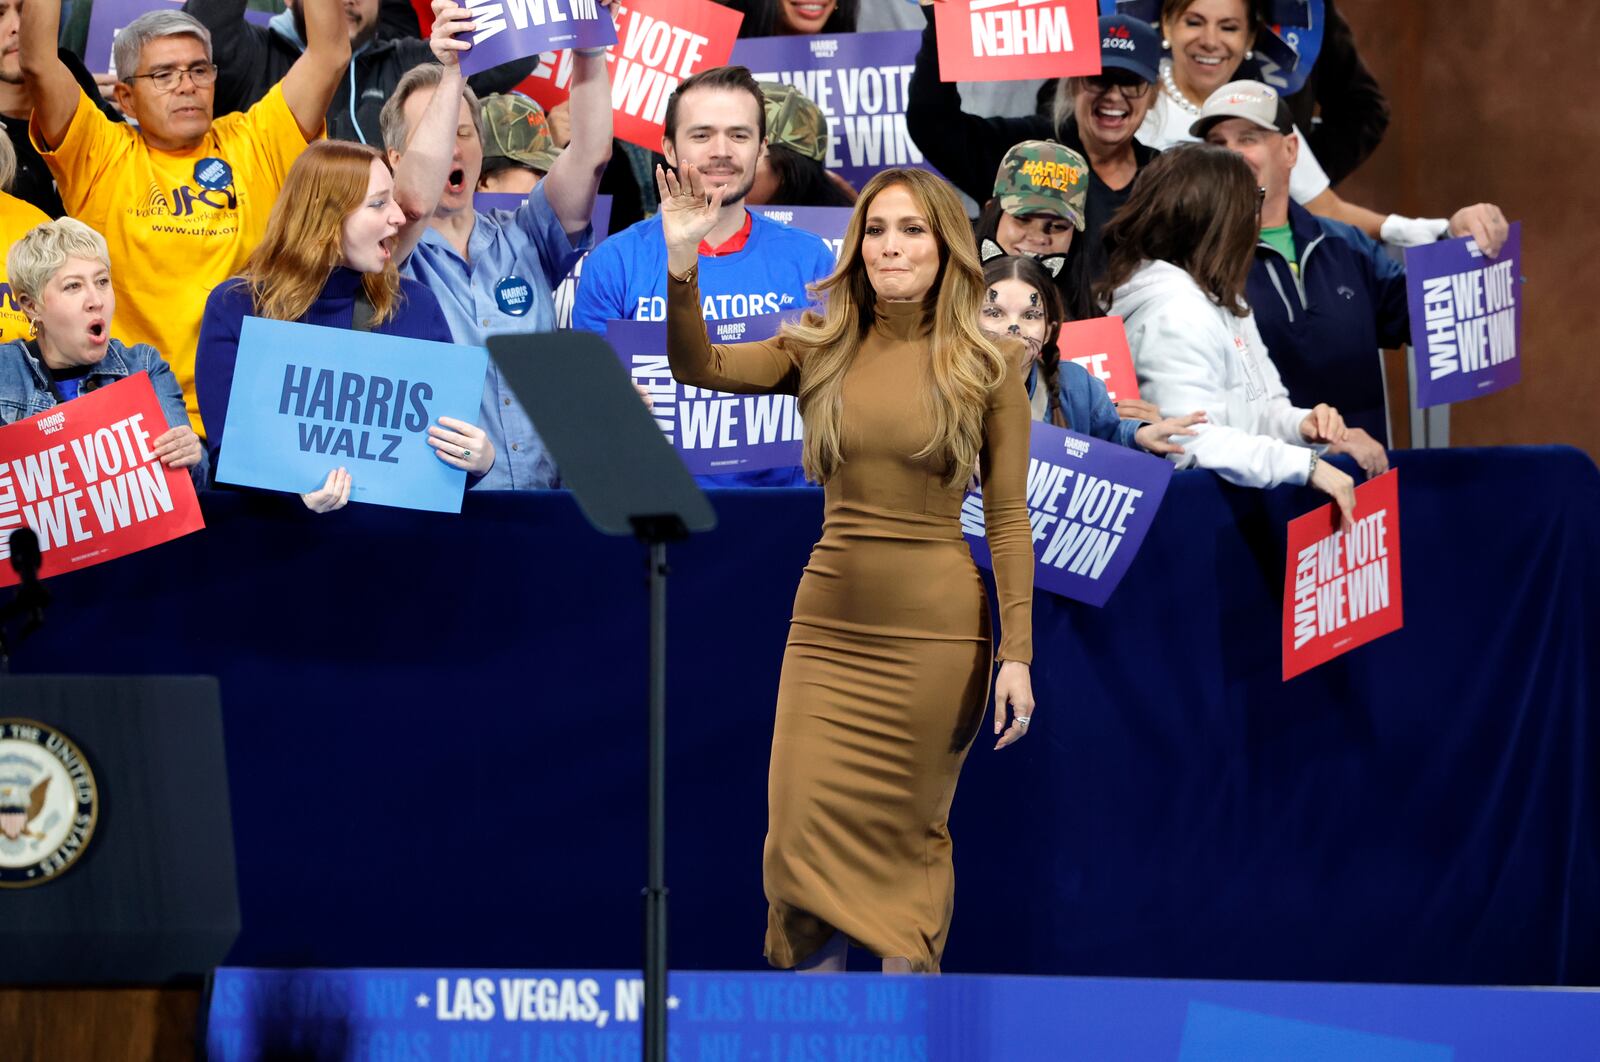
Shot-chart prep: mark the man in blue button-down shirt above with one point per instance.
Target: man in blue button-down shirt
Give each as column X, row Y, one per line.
column 492, row 272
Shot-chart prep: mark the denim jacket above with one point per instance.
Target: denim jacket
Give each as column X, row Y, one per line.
column 25, row 384
column 1087, row 407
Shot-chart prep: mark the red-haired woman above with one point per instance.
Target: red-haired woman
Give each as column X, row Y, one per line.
column 328, row 258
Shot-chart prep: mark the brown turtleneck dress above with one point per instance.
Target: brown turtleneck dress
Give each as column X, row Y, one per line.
column 886, row 674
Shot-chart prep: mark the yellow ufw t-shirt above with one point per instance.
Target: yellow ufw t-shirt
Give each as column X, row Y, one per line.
column 178, row 224
column 17, row 216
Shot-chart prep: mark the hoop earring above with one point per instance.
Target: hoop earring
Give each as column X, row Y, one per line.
column 33, row 328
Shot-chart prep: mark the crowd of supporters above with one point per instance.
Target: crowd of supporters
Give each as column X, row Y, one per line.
column 323, row 168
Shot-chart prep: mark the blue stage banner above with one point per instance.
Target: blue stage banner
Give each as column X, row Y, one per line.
column 713, row 432
column 576, row 1015
column 308, row 399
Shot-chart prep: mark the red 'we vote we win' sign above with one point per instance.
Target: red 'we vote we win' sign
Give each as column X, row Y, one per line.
column 1342, row 585
column 84, row 477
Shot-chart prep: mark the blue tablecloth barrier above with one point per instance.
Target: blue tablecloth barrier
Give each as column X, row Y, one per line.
column 331, row 1015
column 435, row 731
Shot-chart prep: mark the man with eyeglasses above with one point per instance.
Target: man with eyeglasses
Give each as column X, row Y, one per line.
column 1094, row 116
column 181, row 200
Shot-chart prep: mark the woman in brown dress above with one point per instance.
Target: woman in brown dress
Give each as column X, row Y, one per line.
column 889, row 657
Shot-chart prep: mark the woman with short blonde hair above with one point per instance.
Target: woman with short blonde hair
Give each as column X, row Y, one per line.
column 888, row 664
column 328, row 258
column 61, row 282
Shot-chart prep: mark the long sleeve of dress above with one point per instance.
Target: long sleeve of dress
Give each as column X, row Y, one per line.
column 1003, row 467
column 738, row 368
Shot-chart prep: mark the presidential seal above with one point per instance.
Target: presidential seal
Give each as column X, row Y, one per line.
column 49, row 803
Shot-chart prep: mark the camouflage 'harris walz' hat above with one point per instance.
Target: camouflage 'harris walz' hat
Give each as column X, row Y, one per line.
column 515, row 128
column 1043, row 177
column 794, row 122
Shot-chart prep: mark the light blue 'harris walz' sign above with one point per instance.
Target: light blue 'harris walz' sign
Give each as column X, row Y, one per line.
column 308, row 399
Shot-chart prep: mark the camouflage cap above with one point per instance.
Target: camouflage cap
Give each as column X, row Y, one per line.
column 515, row 128
column 794, row 122
column 1043, row 177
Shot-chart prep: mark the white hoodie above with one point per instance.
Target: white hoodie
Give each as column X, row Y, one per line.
column 1191, row 354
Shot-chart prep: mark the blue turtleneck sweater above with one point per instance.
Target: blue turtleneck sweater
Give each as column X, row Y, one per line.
column 419, row 317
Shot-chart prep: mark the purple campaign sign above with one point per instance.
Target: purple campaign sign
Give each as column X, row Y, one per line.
column 713, row 432
column 1090, row 503
column 515, row 29
column 1466, row 318
column 107, row 17
column 827, row 222
column 860, row 81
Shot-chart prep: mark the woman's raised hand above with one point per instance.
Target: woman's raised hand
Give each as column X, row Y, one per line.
column 688, row 214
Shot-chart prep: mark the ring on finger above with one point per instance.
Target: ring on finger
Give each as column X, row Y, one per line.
column 1024, row 720
column 465, row 453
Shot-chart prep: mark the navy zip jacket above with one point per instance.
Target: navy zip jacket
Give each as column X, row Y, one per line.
column 1325, row 328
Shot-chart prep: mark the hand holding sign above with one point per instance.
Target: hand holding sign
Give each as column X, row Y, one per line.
column 178, row 447
column 688, row 214
column 1336, row 484
column 1485, row 224
column 333, row 494
column 450, row 20
column 461, row 445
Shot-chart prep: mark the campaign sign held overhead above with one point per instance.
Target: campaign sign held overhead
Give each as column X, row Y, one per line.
column 659, row 43
column 1466, row 318
column 713, row 432
column 1341, row 589
column 1017, row 40
column 1100, row 345
column 308, row 399
column 861, row 81
column 508, row 30
column 85, row 477
column 1090, row 504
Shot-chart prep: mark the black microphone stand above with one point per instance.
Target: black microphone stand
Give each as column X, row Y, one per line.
column 31, row 598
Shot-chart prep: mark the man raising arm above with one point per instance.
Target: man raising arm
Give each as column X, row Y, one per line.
column 181, row 199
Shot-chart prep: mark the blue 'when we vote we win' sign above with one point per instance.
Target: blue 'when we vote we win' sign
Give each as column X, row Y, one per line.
column 713, row 432
column 1090, row 504
column 308, row 399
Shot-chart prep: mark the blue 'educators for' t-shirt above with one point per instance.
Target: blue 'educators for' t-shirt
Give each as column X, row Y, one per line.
column 625, row 279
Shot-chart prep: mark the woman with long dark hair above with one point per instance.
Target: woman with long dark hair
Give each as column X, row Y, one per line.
column 328, row 258
column 1179, row 254
column 886, row 672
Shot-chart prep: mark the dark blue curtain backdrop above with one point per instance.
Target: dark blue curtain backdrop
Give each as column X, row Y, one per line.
column 435, row 732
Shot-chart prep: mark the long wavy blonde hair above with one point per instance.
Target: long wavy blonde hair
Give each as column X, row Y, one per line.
column 964, row 366
column 305, row 234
